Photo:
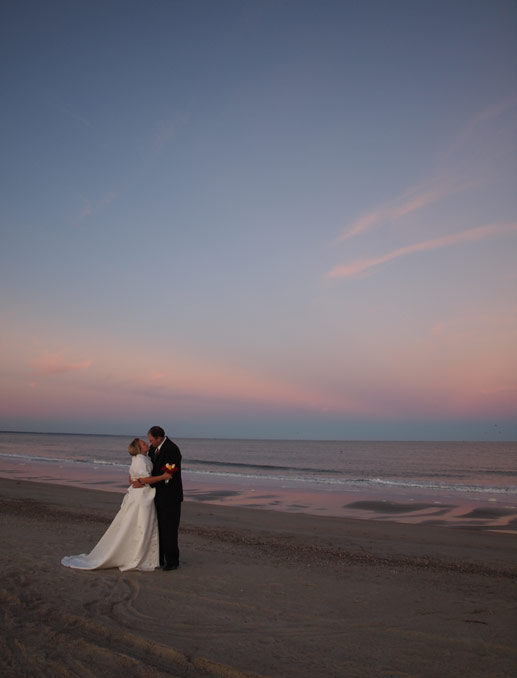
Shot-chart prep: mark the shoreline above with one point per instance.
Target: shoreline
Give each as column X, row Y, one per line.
column 417, row 507
column 258, row 593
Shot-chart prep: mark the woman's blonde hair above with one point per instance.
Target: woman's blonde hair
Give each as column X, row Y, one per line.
column 134, row 447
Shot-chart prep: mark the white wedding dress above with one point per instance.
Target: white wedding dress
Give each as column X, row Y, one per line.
column 131, row 541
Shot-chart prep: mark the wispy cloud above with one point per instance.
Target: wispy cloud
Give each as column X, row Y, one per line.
column 413, row 200
column 472, row 129
column 165, row 133
column 463, row 164
column 161, row 136
column 54, row 364
column 80, row 119
column 85, row 212
column 360, row 266
column 90, row 208
column 73, row 116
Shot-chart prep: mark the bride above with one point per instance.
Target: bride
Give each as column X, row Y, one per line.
column 131, row 541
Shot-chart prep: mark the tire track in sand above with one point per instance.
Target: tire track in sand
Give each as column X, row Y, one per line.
column 39, row 640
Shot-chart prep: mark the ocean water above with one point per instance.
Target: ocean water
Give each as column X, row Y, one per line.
column 458, row 484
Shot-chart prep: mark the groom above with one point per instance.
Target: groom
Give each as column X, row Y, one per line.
column 168, row 497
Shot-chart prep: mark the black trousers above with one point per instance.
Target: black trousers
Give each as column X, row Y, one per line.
column 168, row 523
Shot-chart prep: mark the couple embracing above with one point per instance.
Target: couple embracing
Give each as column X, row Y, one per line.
column 144, row 533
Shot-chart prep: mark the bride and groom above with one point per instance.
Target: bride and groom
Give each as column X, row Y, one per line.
column 144, row 533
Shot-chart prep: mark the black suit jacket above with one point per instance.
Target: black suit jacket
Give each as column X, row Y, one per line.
column 169, row 453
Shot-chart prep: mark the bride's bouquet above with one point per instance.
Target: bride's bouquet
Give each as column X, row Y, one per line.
column 169, row 468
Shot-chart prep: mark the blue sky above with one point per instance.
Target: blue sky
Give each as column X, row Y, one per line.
column 263, row 219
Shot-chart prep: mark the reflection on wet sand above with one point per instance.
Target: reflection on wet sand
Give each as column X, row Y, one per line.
column 382, row 504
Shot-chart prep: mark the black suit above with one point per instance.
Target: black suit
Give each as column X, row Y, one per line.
column 168, row 500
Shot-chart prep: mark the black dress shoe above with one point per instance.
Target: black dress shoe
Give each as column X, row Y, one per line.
column 170, row 566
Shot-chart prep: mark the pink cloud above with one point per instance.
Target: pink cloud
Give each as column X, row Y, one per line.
column 411, row 202
column 85, row 212
column 441, row 186
column 362, row 265
column 165, row 133
column 54, row 364
column 90, row 207
column 472, row 127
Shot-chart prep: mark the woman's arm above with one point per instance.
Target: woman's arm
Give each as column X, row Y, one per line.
column 150, row 480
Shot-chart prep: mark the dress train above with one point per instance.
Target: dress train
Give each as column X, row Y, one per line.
column 131, row 541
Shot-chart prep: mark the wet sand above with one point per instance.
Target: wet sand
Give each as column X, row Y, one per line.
column 258, row 593
column 494, row 513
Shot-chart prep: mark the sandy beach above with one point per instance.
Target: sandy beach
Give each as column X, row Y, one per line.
column 258, row 593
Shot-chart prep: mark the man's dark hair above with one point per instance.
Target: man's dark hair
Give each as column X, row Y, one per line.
column 157, row 432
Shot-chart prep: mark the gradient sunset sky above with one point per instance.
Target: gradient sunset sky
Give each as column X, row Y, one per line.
column 259, row 218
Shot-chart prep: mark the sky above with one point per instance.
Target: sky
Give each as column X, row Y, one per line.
column 259, row 218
